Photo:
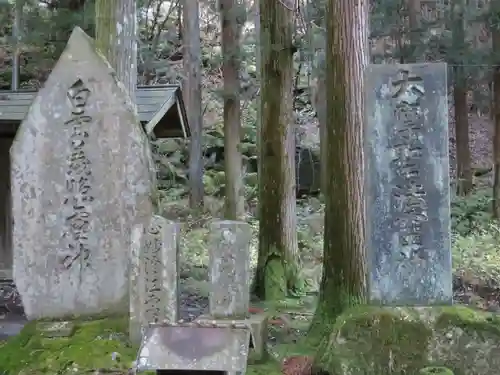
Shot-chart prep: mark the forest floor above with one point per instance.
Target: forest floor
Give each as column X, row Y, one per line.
column 290, row 321
column 480, row 140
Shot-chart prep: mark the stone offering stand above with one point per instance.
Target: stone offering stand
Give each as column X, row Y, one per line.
column 227, row 337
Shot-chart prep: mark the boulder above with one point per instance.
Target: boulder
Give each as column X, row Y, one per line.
column 409, row 341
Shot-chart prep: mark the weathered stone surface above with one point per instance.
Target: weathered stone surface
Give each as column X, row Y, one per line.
column 154, row 273
column 257, row 324
column 407, row 184
column 81, row 178
column 259, row 333
column 229, row 269
column 56, row 329
column 194, row 348
column 400, row 341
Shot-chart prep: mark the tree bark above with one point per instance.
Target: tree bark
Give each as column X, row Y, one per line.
column 192, row 96
column 496, row 108
column 116, row 38
column 344, row 281
column 230, row 17
column 278, row 262
column 319, row 103
column 16, row 35
column 258, row 83
column 464, row 171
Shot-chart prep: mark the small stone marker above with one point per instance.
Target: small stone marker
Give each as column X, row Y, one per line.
column 81, row 178
column 230, row 284
column 407, row 184
column 229, row 254
column 56, row 329
column 154, row 290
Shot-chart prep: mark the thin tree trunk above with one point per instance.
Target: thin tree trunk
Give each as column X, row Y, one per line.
column 258, row 70
column 16, row 34
column 277, row 269
column 156, row 33
column 192, row 96
column 116, row 38
column 492, row 102
column 319, row 103
column 231, row 12
column 179, row 22
column 464, row 171
column 344, row 281
column 496, row 109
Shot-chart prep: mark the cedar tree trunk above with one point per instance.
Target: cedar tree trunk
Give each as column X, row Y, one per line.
column 344, row 281
column 278, row 261
column 192, row 98
column 231, row 16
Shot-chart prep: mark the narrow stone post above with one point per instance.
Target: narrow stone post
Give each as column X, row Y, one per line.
column 154, row 290
column 134, row 288
column 229, row 296
column 229, row 269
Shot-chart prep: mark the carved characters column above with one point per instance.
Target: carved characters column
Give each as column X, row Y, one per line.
column 78, row 195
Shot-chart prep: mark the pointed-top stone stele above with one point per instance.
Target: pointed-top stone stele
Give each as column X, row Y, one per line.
column 81, row 178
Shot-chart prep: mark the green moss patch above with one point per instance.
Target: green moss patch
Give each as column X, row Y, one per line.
column 271, row 367
column 407, row 341
column 90, row 345
column 435, row 371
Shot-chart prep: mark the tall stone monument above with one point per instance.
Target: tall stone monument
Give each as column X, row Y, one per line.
column 81, row 177
column 407, row 184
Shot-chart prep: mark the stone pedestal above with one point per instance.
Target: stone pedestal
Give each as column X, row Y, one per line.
column 188, row 348
column 258, row 326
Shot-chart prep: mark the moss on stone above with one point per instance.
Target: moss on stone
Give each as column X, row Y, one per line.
column 90, row 346
column 275, row 279
column 468, row 319
column 384, row 340
column 270, row 367
column 435, row 371
column 385, row 343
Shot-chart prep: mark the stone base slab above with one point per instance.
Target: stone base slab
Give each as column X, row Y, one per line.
column 258, row 326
